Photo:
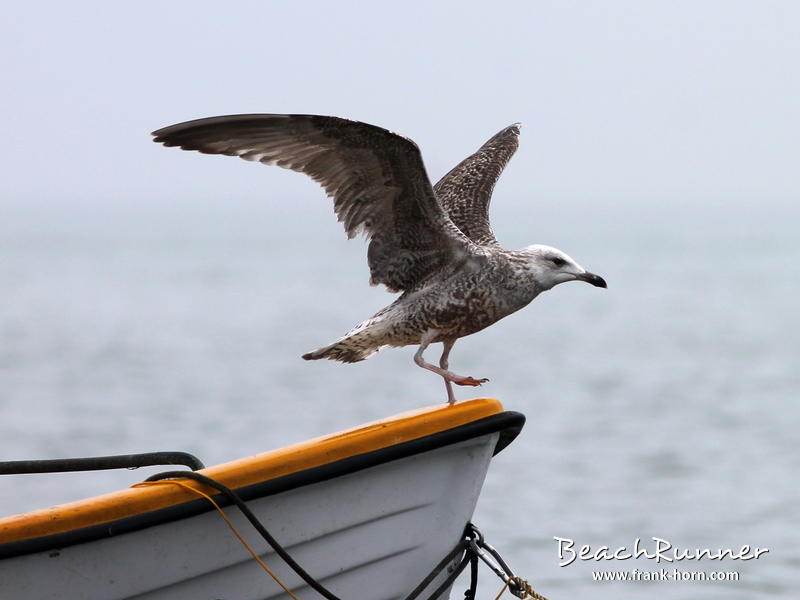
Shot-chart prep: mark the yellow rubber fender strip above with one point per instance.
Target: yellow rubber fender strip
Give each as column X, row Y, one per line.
column 247, row 471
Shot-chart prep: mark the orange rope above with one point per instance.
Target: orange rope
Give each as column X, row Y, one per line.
column 502, row 591
column 252, row 552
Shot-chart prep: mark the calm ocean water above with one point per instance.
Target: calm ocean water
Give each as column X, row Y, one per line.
column 664, row 406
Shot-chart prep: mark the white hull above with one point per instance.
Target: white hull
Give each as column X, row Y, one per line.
column 371, row 534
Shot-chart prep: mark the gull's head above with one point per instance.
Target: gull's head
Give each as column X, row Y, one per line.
column 550, row 266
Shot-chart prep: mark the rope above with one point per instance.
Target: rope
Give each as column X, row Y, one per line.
column 471, row 545
column 502, row 591
column 484, row 551
column 524, row 590
column 460, row 547
column 473, row 578
column 236, row 499
column 228, row 521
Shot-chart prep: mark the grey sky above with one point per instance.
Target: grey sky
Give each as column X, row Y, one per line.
column 620, row 101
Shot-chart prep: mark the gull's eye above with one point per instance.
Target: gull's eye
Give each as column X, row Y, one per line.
column 558, row 261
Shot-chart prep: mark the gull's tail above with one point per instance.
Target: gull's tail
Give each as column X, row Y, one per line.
column 347, row 349
column 360, row 343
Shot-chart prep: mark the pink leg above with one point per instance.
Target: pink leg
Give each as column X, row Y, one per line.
column 448, row 376
column 444, row 363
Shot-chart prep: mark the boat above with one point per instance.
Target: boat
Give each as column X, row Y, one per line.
column 369, row 513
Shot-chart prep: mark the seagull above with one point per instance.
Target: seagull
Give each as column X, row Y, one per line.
column 433, row 244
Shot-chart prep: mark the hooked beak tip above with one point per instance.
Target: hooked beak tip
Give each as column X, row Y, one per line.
column 595, row 280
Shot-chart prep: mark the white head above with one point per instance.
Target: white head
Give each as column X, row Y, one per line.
column 550, row 266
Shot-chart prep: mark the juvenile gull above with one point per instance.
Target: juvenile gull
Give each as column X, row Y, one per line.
column 432, row 243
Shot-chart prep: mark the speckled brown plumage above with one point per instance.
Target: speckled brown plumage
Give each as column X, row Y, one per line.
column 465, row 192
column 435, row 244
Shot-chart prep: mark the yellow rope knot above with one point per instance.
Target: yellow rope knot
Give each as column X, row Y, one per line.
column 522, row 590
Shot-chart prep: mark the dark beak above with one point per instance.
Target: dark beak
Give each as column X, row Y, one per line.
column 595, row 280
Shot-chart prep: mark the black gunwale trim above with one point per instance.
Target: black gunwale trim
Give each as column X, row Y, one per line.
column 508, row 424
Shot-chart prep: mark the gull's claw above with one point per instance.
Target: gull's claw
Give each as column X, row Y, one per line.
column 470, row 381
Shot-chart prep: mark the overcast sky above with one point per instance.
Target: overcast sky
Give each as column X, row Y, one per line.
column 620, row 101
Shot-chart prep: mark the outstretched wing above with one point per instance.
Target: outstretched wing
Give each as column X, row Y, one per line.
column 376, row 178
column 465, row 192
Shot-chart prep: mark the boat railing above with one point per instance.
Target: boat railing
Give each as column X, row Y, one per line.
column 99, row 463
